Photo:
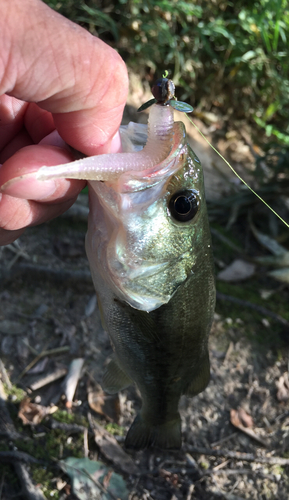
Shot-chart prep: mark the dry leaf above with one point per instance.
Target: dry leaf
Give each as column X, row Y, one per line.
column 283, row 387
column 31, row 413
column 110, row 448
column 245, row 419
column 90, row 306
column 266, row 241
column 106, row 405
column 239, row 270
column 280, row 274
column 236, row 420
column 12, row 327
column 71, row 380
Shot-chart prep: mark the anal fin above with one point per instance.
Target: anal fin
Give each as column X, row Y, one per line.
column 114, row 378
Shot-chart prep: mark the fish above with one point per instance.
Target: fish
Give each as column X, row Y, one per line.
column 150, row 253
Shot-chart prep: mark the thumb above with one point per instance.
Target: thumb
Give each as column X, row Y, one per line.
column 49, row 60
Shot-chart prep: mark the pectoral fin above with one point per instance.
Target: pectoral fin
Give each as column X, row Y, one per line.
column 114, row 378
column 201, row 379
column 166, row 436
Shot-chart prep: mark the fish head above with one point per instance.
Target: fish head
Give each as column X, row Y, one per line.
column 147, row 227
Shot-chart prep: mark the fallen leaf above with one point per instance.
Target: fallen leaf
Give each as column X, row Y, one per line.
column 238, row 270
column 12, row 327
column 276, row 260
column 272, row 245
column 245, row 418
column 90, row 306
column 32, row 413
column 92, row 480
column 106, row 405
column 110, row 448
column 236, row 420
column 280, row 274
column 39, row 367
column 283, row 387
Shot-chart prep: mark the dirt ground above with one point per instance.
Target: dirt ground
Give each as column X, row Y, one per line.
column 234, row 433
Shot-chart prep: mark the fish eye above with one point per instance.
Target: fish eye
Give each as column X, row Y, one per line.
column 184, row 205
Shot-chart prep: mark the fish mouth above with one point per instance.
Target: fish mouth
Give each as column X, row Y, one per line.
column 139, row 180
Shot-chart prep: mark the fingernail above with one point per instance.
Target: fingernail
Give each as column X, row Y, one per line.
column 28, row 188
column 115, row 145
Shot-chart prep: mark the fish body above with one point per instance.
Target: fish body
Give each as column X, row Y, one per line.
column 154, row 278
column 149, row 248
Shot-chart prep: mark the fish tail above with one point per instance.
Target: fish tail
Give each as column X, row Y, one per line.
column 165, row 436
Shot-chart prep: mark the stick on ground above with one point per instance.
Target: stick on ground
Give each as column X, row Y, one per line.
column 29, row 490
column 236, row 455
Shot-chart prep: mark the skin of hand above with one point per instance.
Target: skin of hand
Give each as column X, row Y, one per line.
column 59, row 85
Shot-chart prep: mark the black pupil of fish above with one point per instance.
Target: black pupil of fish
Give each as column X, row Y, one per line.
column 183, row 206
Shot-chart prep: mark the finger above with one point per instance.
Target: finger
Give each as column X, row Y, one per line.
column 19, row 141
column 7, row 237
column 17, row 179
column 70, row 73
column 12, row 112
column 38, row 122
column 16, row 214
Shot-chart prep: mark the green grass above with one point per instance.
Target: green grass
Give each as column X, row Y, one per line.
column 219, row 54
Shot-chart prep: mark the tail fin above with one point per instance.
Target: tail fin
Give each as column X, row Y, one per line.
column 166, row 436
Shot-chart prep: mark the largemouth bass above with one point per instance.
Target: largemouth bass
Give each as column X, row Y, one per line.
column 149, row 249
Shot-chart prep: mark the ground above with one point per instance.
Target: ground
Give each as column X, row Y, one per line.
column 47, row 302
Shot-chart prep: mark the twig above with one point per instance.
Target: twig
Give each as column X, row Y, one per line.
column 71, row 380
column 235, row 472
column 225, row 439
column 85, row 442
column 18, row 456
column 4, row 374
column 28, row 488
column 7, row 427
column 229, row 351
column 40, row 272
column 236, row 455
column 283, row 415
column 34, row 351
column 48, row 378
column 19, row 252
column 57, row 350
column 69, row 428
column 260, row 309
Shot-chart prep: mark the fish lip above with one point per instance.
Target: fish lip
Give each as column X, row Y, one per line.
column 139, row 180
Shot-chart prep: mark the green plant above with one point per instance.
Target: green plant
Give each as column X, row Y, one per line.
column 218, row 53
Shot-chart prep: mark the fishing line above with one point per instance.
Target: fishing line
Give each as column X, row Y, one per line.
column 236, row 173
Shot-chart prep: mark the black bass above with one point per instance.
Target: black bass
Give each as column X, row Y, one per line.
column 149, row 249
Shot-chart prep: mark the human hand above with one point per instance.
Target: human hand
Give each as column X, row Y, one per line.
column 58, row 84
